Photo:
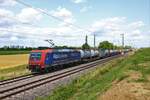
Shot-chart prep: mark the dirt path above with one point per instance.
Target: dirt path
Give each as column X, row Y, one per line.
column 128, row 89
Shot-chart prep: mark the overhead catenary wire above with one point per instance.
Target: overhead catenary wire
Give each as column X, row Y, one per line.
column 50, row 15
column 18, row 21
column 25, row 23
column 43, row 12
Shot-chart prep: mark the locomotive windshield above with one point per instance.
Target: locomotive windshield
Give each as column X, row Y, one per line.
column 35, row 56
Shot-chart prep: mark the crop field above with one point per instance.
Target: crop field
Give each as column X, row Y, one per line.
column 13, row 65
column 12, row 52
column 7, row 61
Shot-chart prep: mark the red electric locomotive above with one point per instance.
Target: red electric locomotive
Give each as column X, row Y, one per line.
column 43, row 60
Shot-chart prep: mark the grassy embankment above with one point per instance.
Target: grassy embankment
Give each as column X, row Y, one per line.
column 13, row 72
column 13, row 65
column 93, row 84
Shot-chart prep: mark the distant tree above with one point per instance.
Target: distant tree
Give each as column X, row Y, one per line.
column 115, row 47
column 41, row 48
column 85, row 46
column 106, row 45
column 127, row 47
column 61, row 47
column 16, row 48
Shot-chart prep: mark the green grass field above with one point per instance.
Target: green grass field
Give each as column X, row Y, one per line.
column 8, row 52
column 93, row 84
column 13, row 72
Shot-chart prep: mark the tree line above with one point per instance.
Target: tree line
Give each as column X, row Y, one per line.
column 106, row 45
column 16, row 48
column 102, row 45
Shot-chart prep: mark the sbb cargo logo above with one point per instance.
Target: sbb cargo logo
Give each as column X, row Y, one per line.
column 60, row 56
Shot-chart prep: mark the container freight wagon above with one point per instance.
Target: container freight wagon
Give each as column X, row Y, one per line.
column 42, row 60
column 94, row 53
column 103, row 53
column 85, row 54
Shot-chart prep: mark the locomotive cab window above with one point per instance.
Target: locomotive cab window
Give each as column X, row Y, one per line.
column 35, row 56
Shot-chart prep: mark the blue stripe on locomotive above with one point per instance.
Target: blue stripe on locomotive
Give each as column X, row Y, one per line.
column 62, row 57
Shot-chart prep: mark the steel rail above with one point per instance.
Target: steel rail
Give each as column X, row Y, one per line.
column 15, row 79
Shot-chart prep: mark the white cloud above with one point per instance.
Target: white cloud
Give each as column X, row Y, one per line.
column 7, row 3
column 111, row 28
column 105, row 29
column 13, row 38
column 60, row 35
column 25, row 17
column 136, row 33
column 108, row 24
column 19, row 32
column 4, row 20
column 29, row 15
column 136, row 25
column 78, row 1
column 63, row 14
column 5, row 12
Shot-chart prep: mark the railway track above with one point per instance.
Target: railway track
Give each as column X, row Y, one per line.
column 3, row 82
column 8, row 91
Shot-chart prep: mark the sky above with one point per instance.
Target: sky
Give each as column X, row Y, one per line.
column 67, row 22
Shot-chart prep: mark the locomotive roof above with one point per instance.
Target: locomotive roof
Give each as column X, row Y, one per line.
column 46, row 50
column 54, row 50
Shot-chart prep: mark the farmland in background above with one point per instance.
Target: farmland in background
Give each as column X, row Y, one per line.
column 13, row 65
column 7, row 61
column 12, row 52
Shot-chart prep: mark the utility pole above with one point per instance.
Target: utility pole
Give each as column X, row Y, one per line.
column 122, row 40
column 94, row 42
column 86, row 39
column 122, row 43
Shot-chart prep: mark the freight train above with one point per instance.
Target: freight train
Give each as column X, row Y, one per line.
column 45, row 60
